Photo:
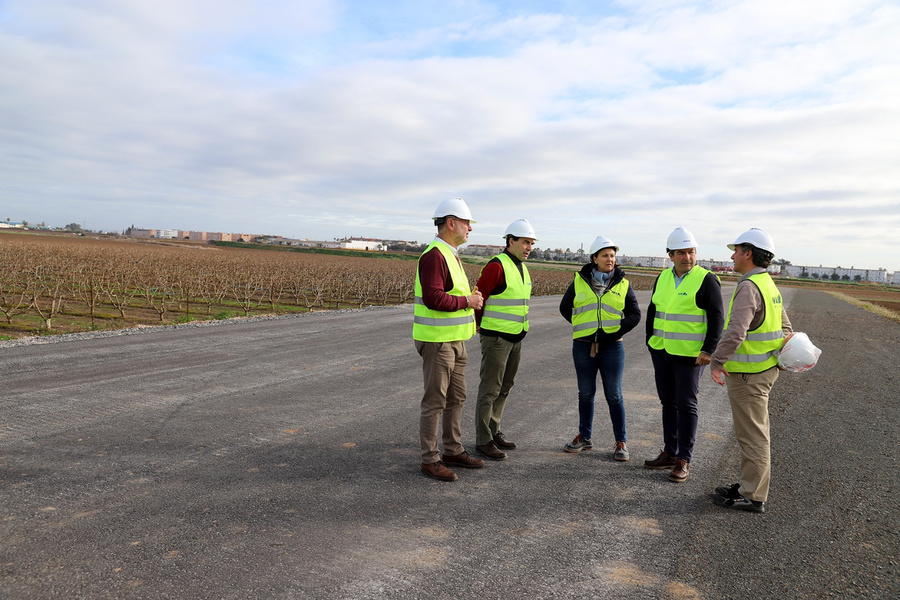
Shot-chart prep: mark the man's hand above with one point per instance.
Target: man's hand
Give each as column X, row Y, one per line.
column 476, row 300
column 717, row 375
column 703, row 359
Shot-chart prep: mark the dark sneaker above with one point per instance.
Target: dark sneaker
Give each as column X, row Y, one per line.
column 491, row 451
column 680, row 471
column 438, row 471
column 663, row 461
column 502, row 442
column 463, row 460
column 621, row 452
column 579, row 444
column 741, row 503
column 729, row 492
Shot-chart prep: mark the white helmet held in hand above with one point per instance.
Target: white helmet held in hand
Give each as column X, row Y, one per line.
column 520, row 228
column 756, row 237
column 681, row 239
column 798, row 353
column 602, row 242
column 453, row 207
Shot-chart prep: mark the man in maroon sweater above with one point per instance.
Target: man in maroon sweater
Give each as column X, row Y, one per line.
column 443, row 320
column 502, row 325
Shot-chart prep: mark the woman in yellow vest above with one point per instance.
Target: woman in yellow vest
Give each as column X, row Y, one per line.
column 602, row 307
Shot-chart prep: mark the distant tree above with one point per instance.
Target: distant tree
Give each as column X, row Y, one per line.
column 846, row 277
column 857, row 278
column 73, row 227
column 835, row 276
column 24, row 223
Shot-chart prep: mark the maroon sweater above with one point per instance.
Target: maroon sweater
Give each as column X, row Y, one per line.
column 436, row 281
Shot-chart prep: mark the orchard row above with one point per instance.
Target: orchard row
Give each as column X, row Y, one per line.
column 84, row 283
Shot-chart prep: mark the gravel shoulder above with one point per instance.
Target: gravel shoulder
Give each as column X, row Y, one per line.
column 278, row 458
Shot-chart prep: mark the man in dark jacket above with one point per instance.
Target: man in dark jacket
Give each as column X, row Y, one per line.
column 684, row 323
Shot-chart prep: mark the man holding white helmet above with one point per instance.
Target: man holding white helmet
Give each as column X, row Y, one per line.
column 444, row 318
column 502, row 324
column 747, row 357
column 684, row 323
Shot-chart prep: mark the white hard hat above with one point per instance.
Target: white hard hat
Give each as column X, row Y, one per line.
column 798, row 353
column 520, row 228
column 681, row 239
column 602, row 242
column 756, row 237
column 453, row 207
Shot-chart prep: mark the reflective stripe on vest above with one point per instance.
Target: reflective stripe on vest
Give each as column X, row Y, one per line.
column 438, row 325
column 507, row 312
column 758, row 351
column 679, row 326
column 590, row 313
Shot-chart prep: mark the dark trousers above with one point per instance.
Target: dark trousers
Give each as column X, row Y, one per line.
column 677, row 384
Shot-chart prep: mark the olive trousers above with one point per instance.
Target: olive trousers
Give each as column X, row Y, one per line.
column 499, row 365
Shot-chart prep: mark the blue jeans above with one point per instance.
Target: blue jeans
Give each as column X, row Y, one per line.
column 610, row 363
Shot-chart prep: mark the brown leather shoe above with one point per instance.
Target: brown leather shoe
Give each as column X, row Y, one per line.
column 663, row 461
column 438, row 471
column 502, row 442
column 463, row 460
column 491, row 451
column 680, row 471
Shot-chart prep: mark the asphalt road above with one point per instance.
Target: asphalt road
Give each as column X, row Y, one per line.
column 279, row 459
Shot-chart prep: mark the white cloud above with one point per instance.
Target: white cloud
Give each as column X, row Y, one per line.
column 323, row 119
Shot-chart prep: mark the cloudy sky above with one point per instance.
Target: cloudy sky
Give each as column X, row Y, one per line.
column 324, row 118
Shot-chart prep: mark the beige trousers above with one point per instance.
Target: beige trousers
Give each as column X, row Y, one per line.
column 749, row 395
column 444, row 371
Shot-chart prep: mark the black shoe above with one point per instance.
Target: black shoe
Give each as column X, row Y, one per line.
column 502, row 442
column 729, row 492
column 491, row 451
column 741, row 503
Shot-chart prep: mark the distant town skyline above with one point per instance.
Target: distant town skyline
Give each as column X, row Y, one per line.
column 794, row 269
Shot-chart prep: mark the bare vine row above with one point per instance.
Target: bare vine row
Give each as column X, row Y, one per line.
column 44, row 279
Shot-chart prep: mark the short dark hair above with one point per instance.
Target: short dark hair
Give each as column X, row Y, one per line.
column 761, row 258
column 513, row 238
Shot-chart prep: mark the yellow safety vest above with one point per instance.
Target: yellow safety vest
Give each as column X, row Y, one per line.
column 758, row 351
column 507, row 312
column 438, row 325
column 679, row 326
column 591, row 312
